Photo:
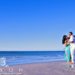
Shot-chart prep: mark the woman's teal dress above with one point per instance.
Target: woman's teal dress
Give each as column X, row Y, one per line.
column 68, row 53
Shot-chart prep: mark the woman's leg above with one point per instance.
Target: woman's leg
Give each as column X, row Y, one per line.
column 68, row 54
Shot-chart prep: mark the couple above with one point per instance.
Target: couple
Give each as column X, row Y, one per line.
column 69, row 43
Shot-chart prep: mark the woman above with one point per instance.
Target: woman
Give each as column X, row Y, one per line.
column 67, row 48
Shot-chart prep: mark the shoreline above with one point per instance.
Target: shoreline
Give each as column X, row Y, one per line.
column 38, row 62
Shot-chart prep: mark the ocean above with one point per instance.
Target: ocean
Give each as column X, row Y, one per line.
column 27, row 57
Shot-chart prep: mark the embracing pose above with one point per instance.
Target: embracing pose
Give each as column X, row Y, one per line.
column 69, row 43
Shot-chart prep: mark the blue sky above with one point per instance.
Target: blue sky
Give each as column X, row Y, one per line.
column 35, row 24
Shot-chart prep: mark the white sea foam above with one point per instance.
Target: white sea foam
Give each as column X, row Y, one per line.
column 2, row 61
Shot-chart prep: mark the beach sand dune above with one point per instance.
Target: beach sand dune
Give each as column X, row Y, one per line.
column 52, row 68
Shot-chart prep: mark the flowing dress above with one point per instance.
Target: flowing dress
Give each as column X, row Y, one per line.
column 67, row 53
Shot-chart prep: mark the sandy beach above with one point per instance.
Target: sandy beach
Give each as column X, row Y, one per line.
column 51, row 68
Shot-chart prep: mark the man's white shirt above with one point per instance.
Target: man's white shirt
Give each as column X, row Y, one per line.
column 71, row 41
column 71, row 38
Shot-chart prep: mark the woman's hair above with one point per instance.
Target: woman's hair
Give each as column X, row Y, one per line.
column 64, row 39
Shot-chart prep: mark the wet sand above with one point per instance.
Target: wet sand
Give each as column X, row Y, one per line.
column 51, row 68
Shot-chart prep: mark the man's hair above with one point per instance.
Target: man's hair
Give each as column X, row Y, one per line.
column 71, row 33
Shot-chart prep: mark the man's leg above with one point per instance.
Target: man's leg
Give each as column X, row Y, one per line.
column 72, row 53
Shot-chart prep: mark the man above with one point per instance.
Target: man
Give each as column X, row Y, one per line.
column 72, row 46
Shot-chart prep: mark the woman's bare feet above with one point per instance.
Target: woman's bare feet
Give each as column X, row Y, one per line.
column 71, row 63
